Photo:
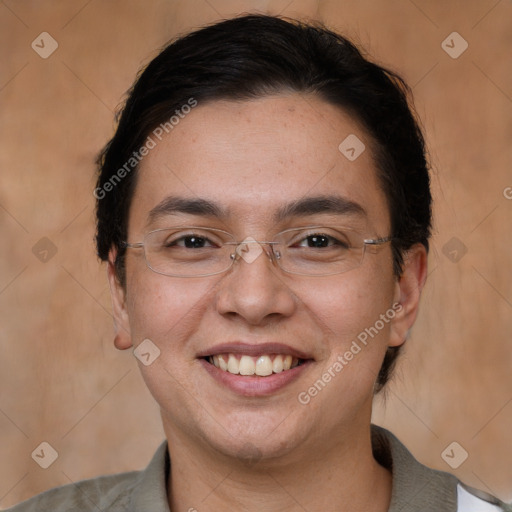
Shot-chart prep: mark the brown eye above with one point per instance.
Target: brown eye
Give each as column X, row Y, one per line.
column 317, row 241
column 194, row 242
column 320, row 241
column 189, row 242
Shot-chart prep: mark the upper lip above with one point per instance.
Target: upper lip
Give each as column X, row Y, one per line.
column 253, row 350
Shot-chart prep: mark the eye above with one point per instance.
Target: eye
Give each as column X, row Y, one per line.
column 189, row 242
column 320, row 241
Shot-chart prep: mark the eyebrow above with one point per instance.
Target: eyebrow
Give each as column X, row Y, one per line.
column 324, row 204
column 175, row 205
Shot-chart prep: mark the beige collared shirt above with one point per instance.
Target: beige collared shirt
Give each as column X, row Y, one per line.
column 416, row 488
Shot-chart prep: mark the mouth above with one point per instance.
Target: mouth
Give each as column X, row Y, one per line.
column 254, row 370
column 263, row 365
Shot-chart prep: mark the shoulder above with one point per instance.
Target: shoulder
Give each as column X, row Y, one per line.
column 103, row 493
column 417, row 487
column 133, row 491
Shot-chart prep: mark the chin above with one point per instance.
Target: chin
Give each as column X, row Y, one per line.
column 274, row 438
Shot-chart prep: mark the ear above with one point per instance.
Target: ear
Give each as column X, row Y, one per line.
column 122, row 340
column 407, row 293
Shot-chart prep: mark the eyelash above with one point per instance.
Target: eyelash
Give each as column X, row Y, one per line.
column 329, row 237
column 333, row 241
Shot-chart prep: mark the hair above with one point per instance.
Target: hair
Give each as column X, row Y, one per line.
column 254, row 56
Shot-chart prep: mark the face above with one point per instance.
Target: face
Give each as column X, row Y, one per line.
column 253, row 160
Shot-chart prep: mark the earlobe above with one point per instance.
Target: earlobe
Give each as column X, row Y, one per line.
column 408, row 293
column 122, row 339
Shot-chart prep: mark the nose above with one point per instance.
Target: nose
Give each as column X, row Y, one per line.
column 254, row 288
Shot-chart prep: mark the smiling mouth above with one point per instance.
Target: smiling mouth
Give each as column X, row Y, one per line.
column 264, row 365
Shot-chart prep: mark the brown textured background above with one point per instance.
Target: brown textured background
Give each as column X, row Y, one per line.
column 63, row 382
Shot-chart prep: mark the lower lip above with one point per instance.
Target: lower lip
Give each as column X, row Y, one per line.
column 254, row 385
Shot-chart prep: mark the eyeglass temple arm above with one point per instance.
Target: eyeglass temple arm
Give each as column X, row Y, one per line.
column 136, row 245
column 377, row 241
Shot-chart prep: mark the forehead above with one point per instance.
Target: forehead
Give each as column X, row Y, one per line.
column 252, row 158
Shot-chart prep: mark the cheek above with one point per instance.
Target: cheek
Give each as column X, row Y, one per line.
column 348, row 309
column 349, row 303
column 165, row 309
column 168, row 312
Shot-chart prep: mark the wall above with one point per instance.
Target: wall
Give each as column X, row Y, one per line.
column 63, row 382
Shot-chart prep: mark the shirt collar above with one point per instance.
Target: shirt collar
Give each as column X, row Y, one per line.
column 415, row 487
column 150, row 489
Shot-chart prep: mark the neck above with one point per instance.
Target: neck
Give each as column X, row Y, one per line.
column 344, row 476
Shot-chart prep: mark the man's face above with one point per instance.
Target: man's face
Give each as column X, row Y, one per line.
column 252, row 159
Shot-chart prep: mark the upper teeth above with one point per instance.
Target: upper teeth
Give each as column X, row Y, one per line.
column 263, row 365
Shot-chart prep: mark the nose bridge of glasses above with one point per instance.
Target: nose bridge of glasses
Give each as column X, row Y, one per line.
column 250, row 249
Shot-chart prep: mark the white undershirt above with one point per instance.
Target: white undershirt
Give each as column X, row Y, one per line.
column 467, row 502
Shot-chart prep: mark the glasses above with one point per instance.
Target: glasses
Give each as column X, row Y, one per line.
column 190, row 251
